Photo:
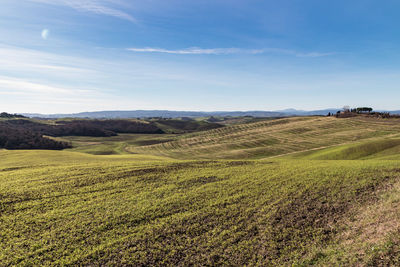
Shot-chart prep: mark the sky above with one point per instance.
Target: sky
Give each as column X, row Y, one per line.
column 67, row 56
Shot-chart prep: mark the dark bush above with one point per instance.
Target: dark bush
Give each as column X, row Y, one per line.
column 19, row 138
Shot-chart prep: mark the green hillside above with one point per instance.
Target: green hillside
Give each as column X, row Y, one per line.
column 272, row 138
column 184, row 126
column 114, row 145
column 377, row 148
column 335, row 202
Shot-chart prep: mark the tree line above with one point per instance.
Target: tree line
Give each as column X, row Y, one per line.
column 365, row 111
column 8, row 115
column 19, row 138
column 29, row 134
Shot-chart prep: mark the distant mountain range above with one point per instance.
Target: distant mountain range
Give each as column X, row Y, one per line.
column 178, row 114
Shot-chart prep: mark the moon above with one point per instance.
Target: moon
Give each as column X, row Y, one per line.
column 45, row 34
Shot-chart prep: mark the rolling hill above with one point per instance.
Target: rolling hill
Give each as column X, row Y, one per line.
column 377, row 148
column 313, row 191
column 272, row 138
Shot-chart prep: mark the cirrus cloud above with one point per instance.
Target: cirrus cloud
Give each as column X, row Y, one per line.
column 226, row 51
column 197, row 51
column 100, row 7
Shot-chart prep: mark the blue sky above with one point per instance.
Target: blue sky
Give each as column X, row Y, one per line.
column 61, row 56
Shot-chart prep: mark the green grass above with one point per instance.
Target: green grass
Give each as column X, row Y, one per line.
column 380, row 148
column 333, row 206
column 272, row 138
column 70, row 208
column 115, row 145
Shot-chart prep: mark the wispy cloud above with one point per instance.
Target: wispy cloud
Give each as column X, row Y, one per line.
column 314, row 54
column 22, row 95
column 197, row 51
column 33, row 63
column 23, row 86
column 101, row 7
column 226, row 51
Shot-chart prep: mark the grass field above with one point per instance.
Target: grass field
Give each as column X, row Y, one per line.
column 272, row 138
column 375, row 148
column 115, row 145
column 330, row 198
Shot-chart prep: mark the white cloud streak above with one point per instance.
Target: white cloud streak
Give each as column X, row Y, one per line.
column 26, row 61
column 100, row 7
column 226, row 51
column 314, row 54
column 197, row 51
column 28, row 87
